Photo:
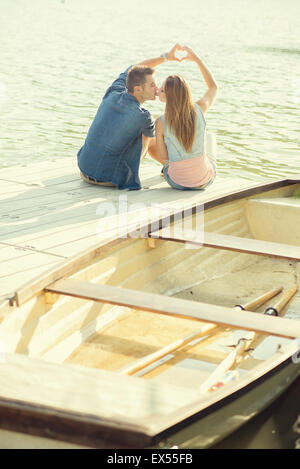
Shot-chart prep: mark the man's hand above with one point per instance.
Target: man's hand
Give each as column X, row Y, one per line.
column 172, row 54
column 159, row 60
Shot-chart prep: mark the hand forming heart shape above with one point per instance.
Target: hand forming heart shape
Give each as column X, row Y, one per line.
column 180, row 54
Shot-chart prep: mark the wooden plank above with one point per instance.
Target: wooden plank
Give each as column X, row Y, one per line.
column 38, row 283
column 47, row 210
column 143, row 362
column 177, row 307
column 74, row 402
column 231, row 243
column 70, row 224
column 8, row 188
column 40, row 202
column 18, row 278
column 16, row 251
column 25, row 262
column 19, row 268
column 46, row 233
column 39, row 171
column 172, row 203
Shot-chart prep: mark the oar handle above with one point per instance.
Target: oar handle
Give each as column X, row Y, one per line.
column 260, row 300
column 244, row 343
column 275, row 310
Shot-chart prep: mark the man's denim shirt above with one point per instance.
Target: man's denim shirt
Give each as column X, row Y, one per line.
column 112, row 149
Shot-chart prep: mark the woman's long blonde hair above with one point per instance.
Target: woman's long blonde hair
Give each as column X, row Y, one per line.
column 180, row 113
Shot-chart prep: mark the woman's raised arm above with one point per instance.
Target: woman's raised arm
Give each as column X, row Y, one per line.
column 208, row 98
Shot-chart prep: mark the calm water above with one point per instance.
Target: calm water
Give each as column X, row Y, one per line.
column 57, row 57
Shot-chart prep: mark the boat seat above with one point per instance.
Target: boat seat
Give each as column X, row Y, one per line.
column 177, row 307
column 275, row 219
column 232, row 243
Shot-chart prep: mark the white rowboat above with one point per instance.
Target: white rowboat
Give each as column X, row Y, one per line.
column 140, row 343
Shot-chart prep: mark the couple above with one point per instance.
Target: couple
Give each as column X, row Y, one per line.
column 122, row 131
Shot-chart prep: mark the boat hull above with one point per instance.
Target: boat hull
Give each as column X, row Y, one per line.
column 210, row 427
column 202, row 430
column 67, row 344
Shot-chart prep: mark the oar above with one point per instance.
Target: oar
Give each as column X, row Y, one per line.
column 242, row 345
column 275, row 310
column 260, row 300
column 153, row 357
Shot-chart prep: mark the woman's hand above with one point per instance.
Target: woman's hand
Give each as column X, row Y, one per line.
column 172, row 54
column 190, row 54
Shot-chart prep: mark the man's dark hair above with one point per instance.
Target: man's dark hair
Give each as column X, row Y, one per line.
column 137, row 76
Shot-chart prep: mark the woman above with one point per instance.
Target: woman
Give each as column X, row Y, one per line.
column 180, row 132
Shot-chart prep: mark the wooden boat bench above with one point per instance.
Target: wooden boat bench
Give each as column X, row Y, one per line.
column 177, row 307
column 233, row 243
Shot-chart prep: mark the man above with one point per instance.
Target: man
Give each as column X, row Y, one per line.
column 122, row 131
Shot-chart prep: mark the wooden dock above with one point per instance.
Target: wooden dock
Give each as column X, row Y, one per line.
column 48, row 214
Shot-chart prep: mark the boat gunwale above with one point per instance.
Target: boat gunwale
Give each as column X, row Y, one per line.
column 226, row 399
column 43, row 421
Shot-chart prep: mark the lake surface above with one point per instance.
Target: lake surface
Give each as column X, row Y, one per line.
column 57, row 58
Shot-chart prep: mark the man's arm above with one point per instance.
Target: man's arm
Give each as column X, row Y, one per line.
column 119, row 83
column 163, row 58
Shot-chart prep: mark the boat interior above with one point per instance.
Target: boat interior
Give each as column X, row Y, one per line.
column 227, row 255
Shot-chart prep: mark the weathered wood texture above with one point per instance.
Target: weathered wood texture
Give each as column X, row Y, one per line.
column 87, row 217
column 233, row 243
column 102, row 409
column 177, row 307
column 81, row 405
column 48, row 214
